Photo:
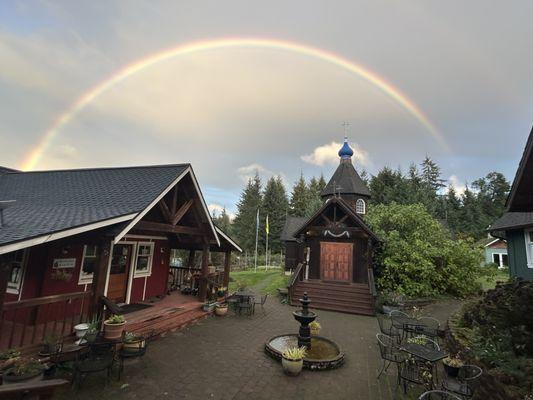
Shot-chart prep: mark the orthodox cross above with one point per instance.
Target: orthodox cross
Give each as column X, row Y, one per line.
column 345, row 125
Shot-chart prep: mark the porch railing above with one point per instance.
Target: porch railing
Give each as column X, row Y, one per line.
column 296, row 275
column 28, row 322
column 372, row 283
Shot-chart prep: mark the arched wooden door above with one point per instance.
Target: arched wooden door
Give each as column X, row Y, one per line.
column 336, row 261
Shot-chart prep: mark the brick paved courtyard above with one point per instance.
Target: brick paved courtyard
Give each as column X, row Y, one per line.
column 223, row 358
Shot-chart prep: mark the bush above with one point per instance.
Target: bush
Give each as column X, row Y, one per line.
column 418, row 258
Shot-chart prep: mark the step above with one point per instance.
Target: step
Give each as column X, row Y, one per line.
column 337, row 301
column 323, row 293
column 333, row 287
column 365, row 310
column 333, row 284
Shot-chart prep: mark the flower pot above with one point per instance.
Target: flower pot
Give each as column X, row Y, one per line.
column 113, row 331
column 315, row 331
column 221, row 310
column 292, row 367
column 135, row 345
column 81, row 330
column 9, row 378
column 451, row 371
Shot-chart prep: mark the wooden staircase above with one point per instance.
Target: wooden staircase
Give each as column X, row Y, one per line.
column 354, row 298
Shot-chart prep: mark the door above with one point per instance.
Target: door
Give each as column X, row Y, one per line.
column 119, row 272
column 336, row 261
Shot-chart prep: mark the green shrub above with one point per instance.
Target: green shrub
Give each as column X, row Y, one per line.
column 418, row 257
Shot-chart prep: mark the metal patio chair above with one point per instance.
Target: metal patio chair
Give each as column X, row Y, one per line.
column 386, row 327
column 466, row 382
column 99, row 358
column 438, row 395
column 261, row 302
column 133, row 349
column 390, row 353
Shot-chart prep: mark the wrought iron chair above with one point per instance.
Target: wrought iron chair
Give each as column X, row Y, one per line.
column 386, row 327
column 99, row 358
column 438, row 395
column 428, row 326
column 246, row 305
column 133, row 349
column 390, row 353
column 415, row 370
column 261, row 302
column 466, row 382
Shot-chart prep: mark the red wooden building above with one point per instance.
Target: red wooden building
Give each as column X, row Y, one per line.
column 69, row 237
column 330, row 253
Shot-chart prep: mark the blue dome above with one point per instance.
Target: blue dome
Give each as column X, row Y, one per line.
column 345, row 151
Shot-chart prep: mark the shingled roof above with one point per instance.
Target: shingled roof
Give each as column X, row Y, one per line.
column 5, row 170
column 345, row 180
column 292, row 224
column 47, row 202
column 512, row 220
column 521, row 195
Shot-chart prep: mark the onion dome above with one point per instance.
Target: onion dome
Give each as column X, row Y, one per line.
column 345, row 151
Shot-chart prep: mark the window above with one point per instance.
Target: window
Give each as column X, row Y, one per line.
column 529, row 248
column 496, row 258
column 16, row 271
column 145, row 254
column 88, row 263
column 360, row 206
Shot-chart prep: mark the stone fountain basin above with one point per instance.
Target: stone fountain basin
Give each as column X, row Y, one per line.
column 324, row 353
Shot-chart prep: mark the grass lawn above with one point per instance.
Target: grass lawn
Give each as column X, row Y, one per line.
column 490, row 282
column 263, row 281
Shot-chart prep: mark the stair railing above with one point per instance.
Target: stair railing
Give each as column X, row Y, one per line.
column 372, row 283
column 296, row 275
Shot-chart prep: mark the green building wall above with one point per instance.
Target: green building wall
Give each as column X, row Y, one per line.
column 516, row 248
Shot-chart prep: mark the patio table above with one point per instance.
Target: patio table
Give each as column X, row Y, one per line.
column 427, row 354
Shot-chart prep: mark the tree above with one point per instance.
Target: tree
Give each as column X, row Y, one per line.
column 300, row 196
column 315, row 199
column 275, row 205
column 245, row 219
column 223, row 221
column 387, row 186
column 418, row 257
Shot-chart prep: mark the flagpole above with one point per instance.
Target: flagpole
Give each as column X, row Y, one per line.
column 267, row 230
column 256, row 236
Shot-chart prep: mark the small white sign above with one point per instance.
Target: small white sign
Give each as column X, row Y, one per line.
column 60, row 263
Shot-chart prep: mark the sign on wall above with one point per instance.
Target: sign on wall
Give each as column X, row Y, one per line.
column 61, row 263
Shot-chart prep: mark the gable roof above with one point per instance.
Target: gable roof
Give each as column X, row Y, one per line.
column 520, row 197
column 228, row 239
column 512, row 220
column 345, row 180
column 6, row 170
column 347, row 209
column 53, row 204
column 292, row 224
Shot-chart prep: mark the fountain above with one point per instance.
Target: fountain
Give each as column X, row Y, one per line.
column 322, row 353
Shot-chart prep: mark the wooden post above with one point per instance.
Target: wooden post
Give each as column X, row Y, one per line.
column 227, row 264
column 202, row 293
column 100, row 276
column 190, row 262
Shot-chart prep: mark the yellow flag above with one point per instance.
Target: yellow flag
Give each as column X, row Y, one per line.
column 267, row 227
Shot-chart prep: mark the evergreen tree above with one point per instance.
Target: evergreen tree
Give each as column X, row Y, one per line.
column 470, row 216
column 315, row 200
column 452, row 209
column 223, row 221
column 275, row 205
column 245, row 219
column 387, row 187
column 300, row 197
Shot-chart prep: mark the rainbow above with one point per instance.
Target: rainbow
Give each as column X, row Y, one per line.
column 35, row 155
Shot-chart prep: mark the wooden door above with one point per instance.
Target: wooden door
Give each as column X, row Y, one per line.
column 119, row 272
column 336, row 261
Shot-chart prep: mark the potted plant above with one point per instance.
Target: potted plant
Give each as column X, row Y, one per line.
column 133, row 342
column 24, row 370
column 292, row 360
column 315, row 328
column 221, row 294
column 114, row 326
column 221, row 309
column 8, row 358
column 92, row 331
column 51, row 344
column 452, row 365
column 390, row 302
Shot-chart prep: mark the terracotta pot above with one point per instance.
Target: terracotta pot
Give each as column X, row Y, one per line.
column 113, row 331
column 221, row 310
column 292, row 367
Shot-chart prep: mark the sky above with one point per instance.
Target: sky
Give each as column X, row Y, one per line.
column 85, row 84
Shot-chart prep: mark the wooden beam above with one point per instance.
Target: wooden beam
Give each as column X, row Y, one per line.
column 328, row 221
column 174, row 200
column 100, row 276
column 227, row 264
column 160, row 227
column 164, row 209
column 4, row 277
column 202, row 292
column 178, row 215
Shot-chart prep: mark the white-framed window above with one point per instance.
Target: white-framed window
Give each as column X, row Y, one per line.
column 500, row 259
column 529, row 247
column 88, row 264
column 145, row 256
column 360, row 206
column 16, row 272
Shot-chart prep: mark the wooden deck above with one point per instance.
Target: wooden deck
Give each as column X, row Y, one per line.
column 169, row 314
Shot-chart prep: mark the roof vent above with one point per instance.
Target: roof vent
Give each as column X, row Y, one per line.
column 3, row 205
